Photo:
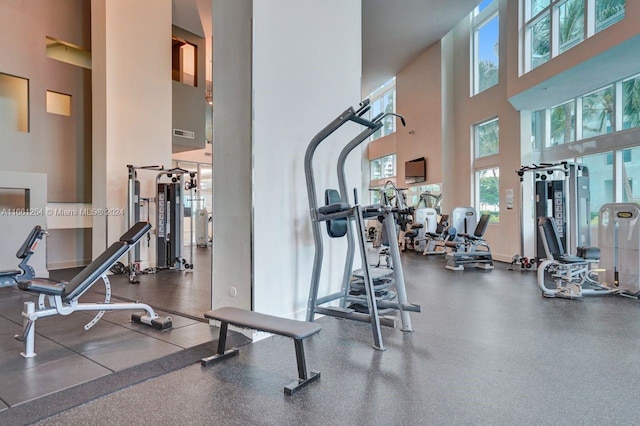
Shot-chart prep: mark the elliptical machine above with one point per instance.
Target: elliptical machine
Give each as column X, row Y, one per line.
column 339, row 216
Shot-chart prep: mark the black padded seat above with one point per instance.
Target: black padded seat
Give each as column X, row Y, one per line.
column 10, row 273
column 569, row 259
column 270, row 324
column 25, row 249
column 80, row 282
column 586, row 252
column 43, row 285
column 334, row 208
column 135, row 233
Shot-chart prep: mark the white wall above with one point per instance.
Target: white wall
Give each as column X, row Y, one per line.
column 131, row 102
column 418, row 94
column 15, row 228
column 232, row 32
column 306, row 71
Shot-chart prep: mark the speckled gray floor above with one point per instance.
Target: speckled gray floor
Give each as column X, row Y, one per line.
column 487, row 349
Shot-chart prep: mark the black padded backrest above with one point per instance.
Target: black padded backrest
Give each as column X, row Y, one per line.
column 336, row 228
column 481, row 227
column 81, row 282
column 549, row 234
column 25, row 249
column 136, row 232
column 442, row 224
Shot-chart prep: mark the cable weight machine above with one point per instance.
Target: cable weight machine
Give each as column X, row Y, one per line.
column 561, row 191
column 171, row 189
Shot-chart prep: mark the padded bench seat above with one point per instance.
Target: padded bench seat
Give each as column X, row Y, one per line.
column 297, row 330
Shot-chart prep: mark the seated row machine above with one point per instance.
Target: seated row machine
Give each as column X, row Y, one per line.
column 568, row 276
column 471, row 249
column 25, row 272
column 62, row 298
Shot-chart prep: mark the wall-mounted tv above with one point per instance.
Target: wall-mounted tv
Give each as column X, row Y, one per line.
column 415, row 170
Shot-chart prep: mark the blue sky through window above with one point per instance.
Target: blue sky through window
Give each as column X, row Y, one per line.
column 487, row 41
column 483, row 4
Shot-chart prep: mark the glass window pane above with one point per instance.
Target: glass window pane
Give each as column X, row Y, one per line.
column 631, row 175
column 483, row 5
column 537, row 129
column 537, row 6
column 631, row 102
column 489, row 193
column 571, row 23
column 487, row 137
column 597, row 110
column 600, row 181
column 384, row 167
column 608, row 12
column 563, row 124
column 540, row 32
column 376, row 169
column 488, row 54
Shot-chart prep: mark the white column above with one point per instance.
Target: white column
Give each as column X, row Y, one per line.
column 306, row 71
column 131, row 102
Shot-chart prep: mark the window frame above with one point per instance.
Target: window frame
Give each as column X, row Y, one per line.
column 479, row 19
column 552, row 10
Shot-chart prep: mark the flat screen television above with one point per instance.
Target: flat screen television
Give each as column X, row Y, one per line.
column 415, row 170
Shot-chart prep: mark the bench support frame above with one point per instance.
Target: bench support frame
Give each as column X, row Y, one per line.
column 304, row 377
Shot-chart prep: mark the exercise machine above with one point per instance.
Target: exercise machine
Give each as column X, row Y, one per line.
column 425, row 221
column 565, row 275
column 62, row 298
column 435, row 240
column 470, row 248
column 619, row 241
column 25, row 272
column 561, row 191
column 172, row 186
column 340, row 216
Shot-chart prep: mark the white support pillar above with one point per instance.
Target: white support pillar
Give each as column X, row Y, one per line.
column 131, row 85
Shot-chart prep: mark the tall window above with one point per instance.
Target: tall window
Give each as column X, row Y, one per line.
column 631, row 175
column 383, row 100
column 563, row 123
column 383, row 167
column 608, row 12
column 597, row 113
column 631, row 102
column 487, row 138
column 600, row 182
column 555, row 26
column 570, row 24
column 488, row 190
column 485, row 42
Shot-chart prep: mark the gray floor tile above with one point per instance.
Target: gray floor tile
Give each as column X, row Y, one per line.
column 24, row 385
column 190, row 335
column 3, row 406
column 131, row 352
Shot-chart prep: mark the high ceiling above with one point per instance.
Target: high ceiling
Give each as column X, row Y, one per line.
column 394, row 32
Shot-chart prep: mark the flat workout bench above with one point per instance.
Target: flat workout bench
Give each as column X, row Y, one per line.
column 297, row 330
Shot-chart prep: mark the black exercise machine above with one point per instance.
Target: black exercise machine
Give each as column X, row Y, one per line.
column 62, row 298
column 470, row 248
column 564, row 275
column 26, row 272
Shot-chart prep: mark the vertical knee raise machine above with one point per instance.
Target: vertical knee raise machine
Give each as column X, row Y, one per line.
column 339, row 215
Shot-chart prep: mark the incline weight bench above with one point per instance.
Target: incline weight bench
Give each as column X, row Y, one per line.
column 297, row 330
column 26, row 272
column 61, row 298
